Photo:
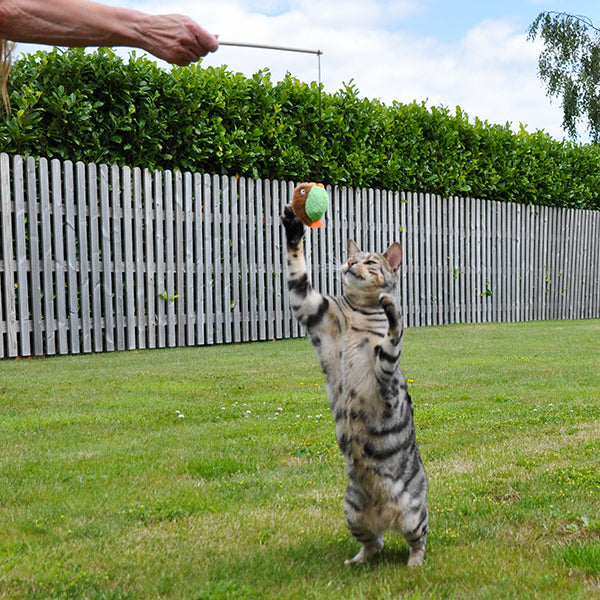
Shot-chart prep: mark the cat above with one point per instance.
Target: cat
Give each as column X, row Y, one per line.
column 357, row 338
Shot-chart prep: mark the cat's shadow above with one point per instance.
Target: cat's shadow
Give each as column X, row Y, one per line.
column 393, row 556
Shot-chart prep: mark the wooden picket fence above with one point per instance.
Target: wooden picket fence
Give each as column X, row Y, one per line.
column 99, row 258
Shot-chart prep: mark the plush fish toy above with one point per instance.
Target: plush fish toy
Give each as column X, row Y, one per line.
column 309, row 203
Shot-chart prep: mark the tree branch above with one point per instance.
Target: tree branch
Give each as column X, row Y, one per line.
column 581, row 18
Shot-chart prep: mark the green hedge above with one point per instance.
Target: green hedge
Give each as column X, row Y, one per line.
column 99, row 108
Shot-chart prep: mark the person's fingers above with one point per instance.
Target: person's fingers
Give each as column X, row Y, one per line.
column 201, row 40
column 179, row 39
column 208, row 41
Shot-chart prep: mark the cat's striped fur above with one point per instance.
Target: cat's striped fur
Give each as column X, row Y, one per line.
column 357, row 338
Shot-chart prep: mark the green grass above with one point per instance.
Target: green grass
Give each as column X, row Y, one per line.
column 107, row 492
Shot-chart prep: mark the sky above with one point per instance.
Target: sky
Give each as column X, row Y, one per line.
column 469, row 53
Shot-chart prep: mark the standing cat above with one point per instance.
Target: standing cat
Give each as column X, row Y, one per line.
column 357, row 338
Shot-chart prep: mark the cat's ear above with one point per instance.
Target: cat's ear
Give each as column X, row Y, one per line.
column 394, row 256
column 352, row 248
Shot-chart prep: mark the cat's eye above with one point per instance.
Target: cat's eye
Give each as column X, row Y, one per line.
column 370, row 262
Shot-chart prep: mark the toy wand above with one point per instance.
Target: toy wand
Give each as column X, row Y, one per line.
column 267, row 47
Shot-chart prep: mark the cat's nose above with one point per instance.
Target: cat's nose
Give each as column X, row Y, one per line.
column 351, row 262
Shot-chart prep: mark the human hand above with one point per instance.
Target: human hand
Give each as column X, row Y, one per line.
column 177, row 39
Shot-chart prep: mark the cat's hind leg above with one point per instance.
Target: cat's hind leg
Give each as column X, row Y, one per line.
column 372, row 541
column 417, row 552
column 417, row 538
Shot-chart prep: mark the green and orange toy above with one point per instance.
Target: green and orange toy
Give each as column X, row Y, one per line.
column 309, row 203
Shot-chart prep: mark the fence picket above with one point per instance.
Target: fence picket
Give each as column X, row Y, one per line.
column 71, row 259
column 558, row 259
column 277, row 270
column 46, row 252
column 208, row 260
column 438, row 261
column 84, row 262
column 95, row 277
column 595, row 269
column 179, row 248
column 199, row 262
column 225, row 275
column 128, row 260
column 170, row 298
column 9, row 317
column 23, row 293
column 234, row 262
column 547, row 262
column 141, row 258
column 252, row 264
column 186, row 282
column 35, row 269
column 161, row 292
column 260, row 260
column 329, row 249
column 244, row 262
column 58, row 234
column 106, row 260
column 269, row 198
column 118, row 262
column 217, row 275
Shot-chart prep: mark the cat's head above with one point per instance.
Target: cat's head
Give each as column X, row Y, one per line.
column 365, row 275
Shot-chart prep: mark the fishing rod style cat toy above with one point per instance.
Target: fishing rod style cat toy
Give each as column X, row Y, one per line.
column 310, row 200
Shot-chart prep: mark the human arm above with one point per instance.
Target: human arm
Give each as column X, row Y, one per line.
column 174, row 38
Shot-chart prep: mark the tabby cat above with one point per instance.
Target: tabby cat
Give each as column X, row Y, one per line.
column 357, row 337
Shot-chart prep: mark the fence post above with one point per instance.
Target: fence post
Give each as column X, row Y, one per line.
column 8, row 281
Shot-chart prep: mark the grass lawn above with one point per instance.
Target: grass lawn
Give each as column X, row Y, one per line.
column 213, row 473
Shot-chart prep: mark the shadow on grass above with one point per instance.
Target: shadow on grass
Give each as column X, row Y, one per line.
column 298, row 569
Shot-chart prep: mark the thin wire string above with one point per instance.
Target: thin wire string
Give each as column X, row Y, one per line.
column 300, row 50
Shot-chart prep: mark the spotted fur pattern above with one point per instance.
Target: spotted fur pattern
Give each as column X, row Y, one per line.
column 357, row 337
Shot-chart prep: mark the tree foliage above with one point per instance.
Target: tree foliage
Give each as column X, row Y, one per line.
column 569, row 65
column 99, row 108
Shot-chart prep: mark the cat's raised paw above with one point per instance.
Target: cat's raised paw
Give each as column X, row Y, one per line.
column 288, row 214
column 388, row 304
column 386, row 300
column 294, row 228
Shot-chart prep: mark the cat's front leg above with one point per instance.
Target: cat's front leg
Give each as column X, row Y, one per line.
column 388, row 353
column 297, row 276
column 294, row 228
column 308, row 306
column 394, row 318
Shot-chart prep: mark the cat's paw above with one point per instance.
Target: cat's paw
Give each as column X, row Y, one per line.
column 388, row 304
column 294, row 228
column 366, row 552
column 416, row 558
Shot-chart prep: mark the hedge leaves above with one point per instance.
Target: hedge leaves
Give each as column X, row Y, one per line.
column 100, row 108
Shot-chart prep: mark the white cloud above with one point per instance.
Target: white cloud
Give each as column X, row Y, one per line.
column 357, row 14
